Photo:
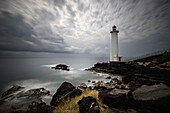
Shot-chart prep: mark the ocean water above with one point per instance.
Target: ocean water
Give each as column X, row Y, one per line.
column 36, row 72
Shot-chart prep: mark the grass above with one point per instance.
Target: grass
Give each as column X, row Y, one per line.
column 70, row 105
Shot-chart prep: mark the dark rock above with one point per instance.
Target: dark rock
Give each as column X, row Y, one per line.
column 100, row 88
column 154, row 92
column 61, row 67
column 82, row 85
column 88, row 105
column 131, row 70
column 63, row 92
column 12, row 90
column 117, row 98
column 109, row 77
column 93, row 81
column 33, row 93
column 128, row 78
column 100, row 85
column 91, row 87
column 89, row 80
column 155, row 98
column 134, row 84
column 39, row 108
column 19, row 102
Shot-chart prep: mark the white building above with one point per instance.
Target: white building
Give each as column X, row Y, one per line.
column 114, row 51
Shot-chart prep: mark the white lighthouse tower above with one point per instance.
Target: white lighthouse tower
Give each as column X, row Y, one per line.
column 114, row 57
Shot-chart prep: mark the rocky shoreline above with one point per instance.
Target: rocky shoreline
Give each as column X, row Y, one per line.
column 143, row 89
column 132, row 72
column 144, row 99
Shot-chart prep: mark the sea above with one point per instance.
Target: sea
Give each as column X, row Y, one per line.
column 36, row 72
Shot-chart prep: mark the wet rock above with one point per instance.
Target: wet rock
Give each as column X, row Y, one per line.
column 12, row 90
column 117, row 98
column 82, row 86
column 33, row 93
column 61, row 67
column 100, row 85
column 19, row 102
column 91, row 87
column 39, row 108
column 89, row 80
column 63, row 92
column 109, row 77
column 93, row 81
column 100, row 88
column 88, row 105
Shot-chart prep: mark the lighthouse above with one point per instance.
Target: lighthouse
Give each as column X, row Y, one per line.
column 114, row 52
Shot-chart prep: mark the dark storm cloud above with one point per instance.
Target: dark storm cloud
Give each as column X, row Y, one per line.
column 16, row 35
column 14, row 32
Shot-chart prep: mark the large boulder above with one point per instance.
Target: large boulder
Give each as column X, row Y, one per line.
column 155, row 98
column 88, row 105
column 63, row 92
column 117, row 98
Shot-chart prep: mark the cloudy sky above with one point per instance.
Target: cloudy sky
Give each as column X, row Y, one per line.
column 82, row 27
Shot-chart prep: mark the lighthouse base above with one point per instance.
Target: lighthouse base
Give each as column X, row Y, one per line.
column 115, row 59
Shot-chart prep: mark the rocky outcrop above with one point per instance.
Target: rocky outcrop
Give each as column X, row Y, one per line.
column 33, row 93
column 39, row 108
column 154, row 92
column 155, row 98
column 10, row 91
column 132, row 71
column 145, row 99
column 61, row 67
column 88, row 105
column 63, row 92
column 38, row 92
column 17, row 99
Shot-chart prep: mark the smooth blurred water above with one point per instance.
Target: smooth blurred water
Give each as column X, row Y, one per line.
column 37, row 72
